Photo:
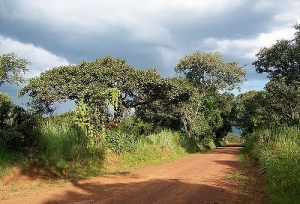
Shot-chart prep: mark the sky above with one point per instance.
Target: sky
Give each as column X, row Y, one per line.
column 147, row 34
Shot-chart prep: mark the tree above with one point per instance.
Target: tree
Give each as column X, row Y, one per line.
column 225, row 104
column 209, row 71
column 11, row 68
column 281, row 60
column 166, row 113
column 87, row 81
column 203, row 115
column 282, row 103
column 18, row 127
column 246, row 111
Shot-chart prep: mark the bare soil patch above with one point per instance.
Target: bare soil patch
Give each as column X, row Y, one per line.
column 203, row 178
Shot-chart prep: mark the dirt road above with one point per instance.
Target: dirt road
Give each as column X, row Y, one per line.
column 197, row 179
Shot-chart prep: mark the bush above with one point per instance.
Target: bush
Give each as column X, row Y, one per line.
column 133, row 126
column 19, row 128
column 120, row 142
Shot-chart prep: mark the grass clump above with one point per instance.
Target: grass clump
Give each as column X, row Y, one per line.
column 63, row 152
column 152, row 149
column 277, row 151
column 9, row 159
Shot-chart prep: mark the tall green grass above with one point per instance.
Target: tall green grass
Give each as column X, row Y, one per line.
column 154, row 148
column 63, row 150
column 277, row 151
column 8, row 159
column 62, row 142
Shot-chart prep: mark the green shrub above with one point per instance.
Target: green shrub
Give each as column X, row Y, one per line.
column 133, row 126
column 19, row 128
column 209, row 143
column 120, row 142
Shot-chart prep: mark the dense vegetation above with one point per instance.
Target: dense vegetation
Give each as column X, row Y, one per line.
column 270, row 119
column 133, row 114
column 126, row 117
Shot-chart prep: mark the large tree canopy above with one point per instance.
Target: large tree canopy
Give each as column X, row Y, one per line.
column 11, row 68
column 209, row 71
column 283, row 103
column 281, row 60
column 87, row 81
column 167, row 112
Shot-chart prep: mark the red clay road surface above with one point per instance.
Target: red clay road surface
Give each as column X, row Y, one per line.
column 196, row 179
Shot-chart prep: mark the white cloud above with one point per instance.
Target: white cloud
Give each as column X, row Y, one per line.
column 145, row 21
column 155, row 33
column 247, row 48
column 41, row 60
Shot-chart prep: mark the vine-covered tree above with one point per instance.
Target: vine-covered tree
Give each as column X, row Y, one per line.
column 87, row 81
column 11, row 68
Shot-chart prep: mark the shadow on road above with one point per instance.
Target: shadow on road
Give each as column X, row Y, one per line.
column 226, row 150
column 151, row 191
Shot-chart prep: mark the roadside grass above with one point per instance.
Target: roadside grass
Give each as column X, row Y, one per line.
column 9, row 159
column 55, row 162
column 249, row 183
column 277, row 151
column 157, row 148
column 62, row 152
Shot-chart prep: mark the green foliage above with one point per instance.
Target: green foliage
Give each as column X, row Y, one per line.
column 164, row 139
column 94, row 137
column 89, row 80
column 281, row 60
column 209, row 143
column 18, row 128
column 282, row 103
column 62, row 142
column 63, row 152
column 135, row 126
column 155, row 148
column 277, row 151
column 208, row 70
column 120, row 142
column 93, row 125
column 246, row 110
column 232, row 138
column 207, row 113
column 8, row 159
column 277, row 105
column 207, row 117
column 11, row 68
column 166, row 114
column 5, row 107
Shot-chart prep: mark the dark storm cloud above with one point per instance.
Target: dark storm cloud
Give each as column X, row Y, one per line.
column 243, row 22
column 154, row 34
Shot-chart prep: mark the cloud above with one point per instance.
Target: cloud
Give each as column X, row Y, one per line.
column 41, row 59
column 148, row 34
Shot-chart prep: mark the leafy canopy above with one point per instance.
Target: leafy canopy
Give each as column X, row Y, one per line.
column 11, row 68
column 208, row 70
column 281, row 60
column 89, row 80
